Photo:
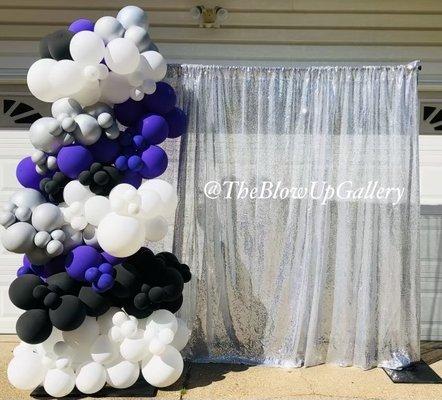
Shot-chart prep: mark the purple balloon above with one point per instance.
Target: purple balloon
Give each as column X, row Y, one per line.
column 162, row 100
column 80, row 259
column 132, row 178
column 27, row 175
column 105, row 150
column 129, row 112
column 177, row 121
column 81, row 24
column 155, row 160
column 153, row 128
column 72, row 160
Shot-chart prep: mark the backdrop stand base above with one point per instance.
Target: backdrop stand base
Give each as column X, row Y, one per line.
column 419, row 372
column 140, row 389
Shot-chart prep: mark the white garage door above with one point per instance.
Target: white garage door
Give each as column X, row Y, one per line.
column 17, row 111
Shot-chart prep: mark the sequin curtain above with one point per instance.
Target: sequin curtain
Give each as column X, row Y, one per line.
column 300, row 281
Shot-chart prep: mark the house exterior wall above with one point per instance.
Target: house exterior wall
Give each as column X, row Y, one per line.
column 267, row 32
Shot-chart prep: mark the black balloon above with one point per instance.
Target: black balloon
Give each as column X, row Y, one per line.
column 94, row 302
column 100, row 178
column 65, row 283
column 34, row 326
column 56, row 45
column 69, row 314
column 21, row 292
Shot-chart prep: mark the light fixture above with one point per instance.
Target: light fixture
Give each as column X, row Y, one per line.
column 209, row 17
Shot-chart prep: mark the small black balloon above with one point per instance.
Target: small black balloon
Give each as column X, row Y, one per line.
column 131, row 309
column 94, row 302
column 21, row 292
column 56, row 45
column 69, row 315
column 156, row 294
column 34, row 326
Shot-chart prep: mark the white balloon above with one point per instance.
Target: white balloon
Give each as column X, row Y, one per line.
column 108, row 28
column 75, row 191
column 123, row 374
column 47, row 217
column 55, row 337
column 105, row 320
column 157, row 66
column 84, row 335
column 156, row 229
column 89, row 94
column 120, row 236
column 134, row 349
column 151, row 203
column 132, row 16
column 23, row 349
column 182, row 335
column 163, row 370
column 115, row 89
column 95, row 209
column 125, row 200
column 26, row 371
column 66, row 77
column 87, row 47
column 103, row 350
column 38, row 82
column 91, row 377
column 139, row 37
column 158, row 320
column 167, row 193
column 59, row 382
column 122, row 56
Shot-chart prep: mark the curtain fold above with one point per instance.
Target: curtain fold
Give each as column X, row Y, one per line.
column 300, row 280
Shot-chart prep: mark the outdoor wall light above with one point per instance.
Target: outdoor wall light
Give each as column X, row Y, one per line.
column 209, row 17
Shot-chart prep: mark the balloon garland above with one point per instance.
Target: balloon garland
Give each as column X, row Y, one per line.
column 98, row 305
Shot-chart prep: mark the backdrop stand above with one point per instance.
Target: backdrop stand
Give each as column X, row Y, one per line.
column 140, row 389
column 419, row 372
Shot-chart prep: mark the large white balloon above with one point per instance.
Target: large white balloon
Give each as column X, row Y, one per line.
column 135, row 349
column 66, row 77
column 157, row 66
column 87, row 47
column 103, row 350
column 115, row 89
column 59, row 382
column 84, row 335
column 120, row 236
column 132, row 16
column 156, row 229
column 74, row 191
column 89, row 94
column 158, row 320
column 125, row 200
column 123, row 374
column 26, row 371
column 182, row 335
column 151, row 203
column 95, row 209
column 105, row 320
column 122, row 56
column 108, row 28
column 167, row 193
column 165, row 369
column 91, row 377
column 38, row 82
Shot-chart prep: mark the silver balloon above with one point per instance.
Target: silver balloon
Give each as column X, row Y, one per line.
column 87, row 131
column 58, row 234
column 46, row 135
column 73, row 238
column 105, row 120
column 66, row 107
column 132, row 16
column 90, row 236
column 99, row 108
column 108, row 28
column 41, row 239
column 19, row 237
column 112, row 132
column 27, row 198
column 139, row 37
column 54, row 248
column 47, row 217
column 6, row 218
column 23, row 213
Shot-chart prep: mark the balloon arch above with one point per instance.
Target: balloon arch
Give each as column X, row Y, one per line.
column 98, row 305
